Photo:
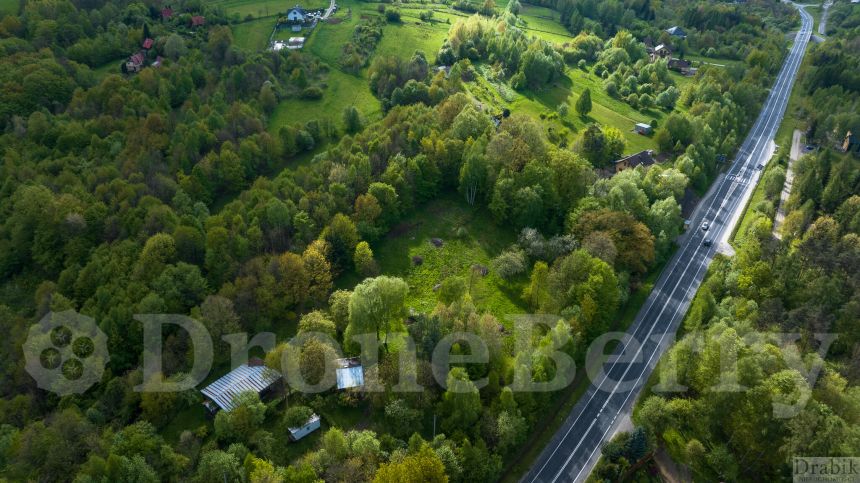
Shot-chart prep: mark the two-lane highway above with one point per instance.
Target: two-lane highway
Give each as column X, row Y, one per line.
column 575, row 448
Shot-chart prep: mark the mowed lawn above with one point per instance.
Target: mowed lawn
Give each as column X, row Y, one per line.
column 480, row 242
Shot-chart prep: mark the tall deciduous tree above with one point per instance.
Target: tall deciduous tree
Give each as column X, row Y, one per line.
column 376, row 305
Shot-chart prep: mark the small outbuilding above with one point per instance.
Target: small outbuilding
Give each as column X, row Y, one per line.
column 312, row 425
column 642, row 128
column 349, row 373
column 254, row 376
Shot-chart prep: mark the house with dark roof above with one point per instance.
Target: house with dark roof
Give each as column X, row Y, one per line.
column 253, row 376
column 677, row 32
column 643, row 158
column 680, row 65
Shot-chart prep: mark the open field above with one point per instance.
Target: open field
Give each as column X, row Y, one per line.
column 263, row 8
column 544, row 23
column 343, row 90
column 253, row 35
column 482, row 241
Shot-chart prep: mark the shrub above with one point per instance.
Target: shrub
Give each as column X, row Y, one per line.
column 392, row 16
column 297, row 416
column 510, row 263
column 312, row 92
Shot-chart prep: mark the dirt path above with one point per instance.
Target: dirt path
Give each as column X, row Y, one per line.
column 796, row 152
column 823, row 22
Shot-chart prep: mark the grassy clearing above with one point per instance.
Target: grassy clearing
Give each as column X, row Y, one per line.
column 483, row 240
column 343, row 90
column 544, row 23
column 253, row 35
column 426, row 37
column 566, row 400
column 264, row 8
column 713, row 60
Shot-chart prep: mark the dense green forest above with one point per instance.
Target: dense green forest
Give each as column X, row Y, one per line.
column 166, row 191
column 791, row 389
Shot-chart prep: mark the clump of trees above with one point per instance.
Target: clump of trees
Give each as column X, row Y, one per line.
column 531, row 62
column 367, row 33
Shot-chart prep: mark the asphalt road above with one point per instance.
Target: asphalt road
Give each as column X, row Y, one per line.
column 575, row 448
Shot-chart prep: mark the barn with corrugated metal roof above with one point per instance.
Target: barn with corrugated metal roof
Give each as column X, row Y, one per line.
column 254, row 377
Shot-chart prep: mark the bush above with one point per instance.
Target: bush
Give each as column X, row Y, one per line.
column 312, row 93
column 392, row 16
column 510, row 263
column 581, row 64
column 297, row 416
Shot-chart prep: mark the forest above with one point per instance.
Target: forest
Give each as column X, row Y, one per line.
column 166, row 192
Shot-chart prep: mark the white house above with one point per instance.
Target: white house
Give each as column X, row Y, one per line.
column 296, row 43
column 312, row 425
column 296, row 14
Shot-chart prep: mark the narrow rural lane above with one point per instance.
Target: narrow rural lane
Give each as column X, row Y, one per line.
column 575, row 448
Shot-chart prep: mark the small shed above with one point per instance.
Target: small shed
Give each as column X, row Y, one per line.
column 349, row 373
column 166, row 13
column 253, row 376
column 147, row 43
column 642, row 128
column 198, row 21
column 296, row 14
column 312, row 425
